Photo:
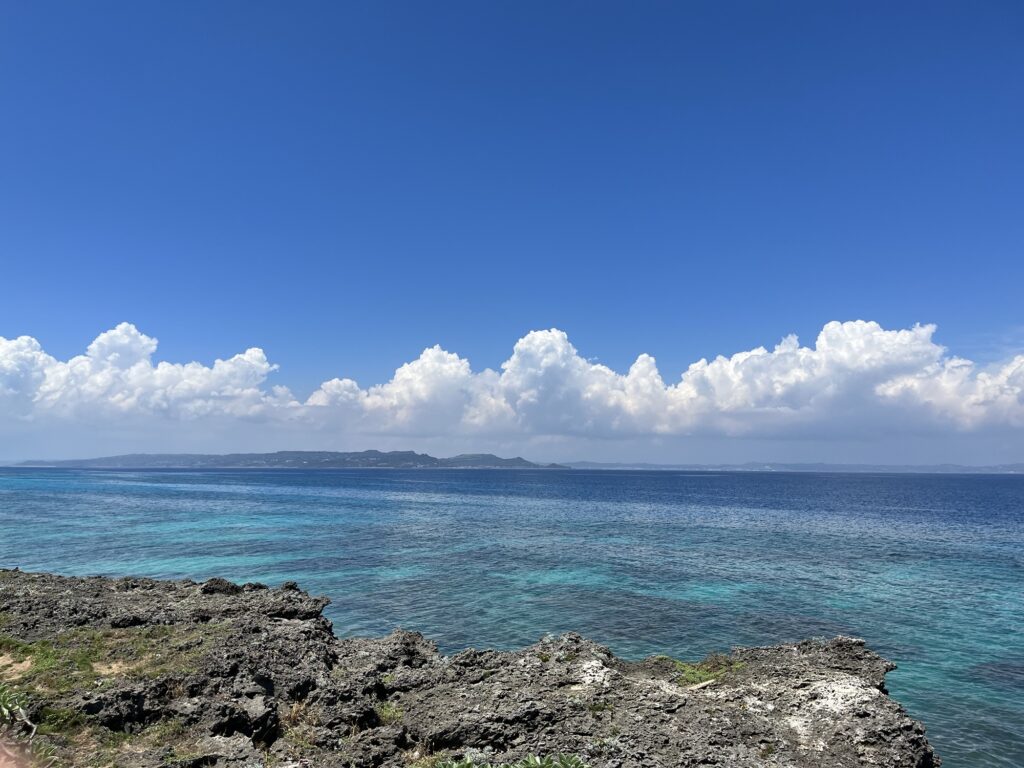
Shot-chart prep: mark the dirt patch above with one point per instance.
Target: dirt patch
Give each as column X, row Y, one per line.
column 9, row 757
column 112, row 668
column 12, row 669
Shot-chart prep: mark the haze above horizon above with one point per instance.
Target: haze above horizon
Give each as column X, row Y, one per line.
column 520, row 229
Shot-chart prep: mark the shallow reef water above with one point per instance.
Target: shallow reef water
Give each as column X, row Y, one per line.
column 929, row 569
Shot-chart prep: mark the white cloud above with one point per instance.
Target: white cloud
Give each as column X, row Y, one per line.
column 116, row 376
column 856, row 380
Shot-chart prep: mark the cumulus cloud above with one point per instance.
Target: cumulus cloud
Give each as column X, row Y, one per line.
column 857, row 377
column 116, row 376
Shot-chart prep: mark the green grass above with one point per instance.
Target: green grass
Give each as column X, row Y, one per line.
column 85, row 659
column 74, row 660
column 66, row 730
column 59, row 720
column 165, row 731
column 388, row 713
column 15, row 647
column 713, row 667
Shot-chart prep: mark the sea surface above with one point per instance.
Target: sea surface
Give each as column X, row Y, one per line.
column 929, row 569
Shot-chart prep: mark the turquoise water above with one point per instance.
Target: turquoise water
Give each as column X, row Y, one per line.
column 928, row 569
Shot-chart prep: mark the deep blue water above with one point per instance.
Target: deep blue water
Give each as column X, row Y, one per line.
column 928, row 569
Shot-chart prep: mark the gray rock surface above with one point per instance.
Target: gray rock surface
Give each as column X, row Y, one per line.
column 142, row 673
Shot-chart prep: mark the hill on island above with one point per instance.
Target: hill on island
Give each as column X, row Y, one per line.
column 294, row 460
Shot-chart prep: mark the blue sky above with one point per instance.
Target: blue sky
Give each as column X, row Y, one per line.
column 345, row 184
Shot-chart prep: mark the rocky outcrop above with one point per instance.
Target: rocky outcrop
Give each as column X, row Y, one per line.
column 136, row 672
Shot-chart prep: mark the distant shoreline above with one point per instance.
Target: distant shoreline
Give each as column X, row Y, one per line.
column 214, row 468
column 797, row 468
column 308, row 461
column 371, row 459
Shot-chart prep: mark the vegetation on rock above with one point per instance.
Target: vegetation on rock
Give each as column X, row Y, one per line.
column 136, row 673
column 714, row 667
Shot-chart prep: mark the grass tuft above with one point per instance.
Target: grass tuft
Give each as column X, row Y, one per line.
column 715, row 666
column 389, row 713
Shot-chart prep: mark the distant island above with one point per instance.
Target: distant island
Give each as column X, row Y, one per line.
column 412, row 460
column 295, row 460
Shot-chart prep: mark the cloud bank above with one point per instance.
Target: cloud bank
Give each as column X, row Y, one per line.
column 857, row 379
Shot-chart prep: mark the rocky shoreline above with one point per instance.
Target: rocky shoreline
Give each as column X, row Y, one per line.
column 137, row 673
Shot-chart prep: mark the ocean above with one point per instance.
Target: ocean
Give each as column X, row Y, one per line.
column 929, row 569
